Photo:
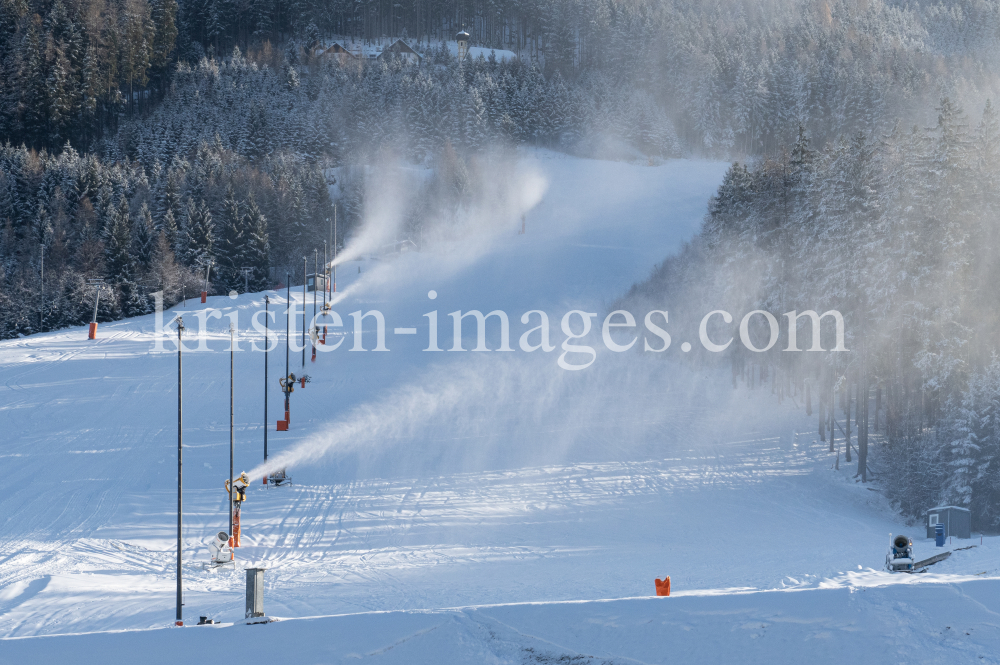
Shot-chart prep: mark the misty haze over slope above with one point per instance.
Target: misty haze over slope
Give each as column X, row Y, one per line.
column 723, row 167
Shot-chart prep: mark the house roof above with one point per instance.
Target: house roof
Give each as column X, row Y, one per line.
column 337, row 48
column 399, row 46
column 946, row 508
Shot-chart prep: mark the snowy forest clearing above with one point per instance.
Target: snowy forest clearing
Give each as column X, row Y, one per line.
column 537, row 485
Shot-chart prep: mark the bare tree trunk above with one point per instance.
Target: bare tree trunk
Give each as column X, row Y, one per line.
column 890, row 412
column 831, row 412
column 878, row 405
column 822, row 418
column 847, row 421
column 809, row 402
column 863, row 429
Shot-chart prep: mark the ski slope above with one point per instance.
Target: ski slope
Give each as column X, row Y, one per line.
column 540, row 502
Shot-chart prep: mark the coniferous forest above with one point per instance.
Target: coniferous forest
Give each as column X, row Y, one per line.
column 145, row 141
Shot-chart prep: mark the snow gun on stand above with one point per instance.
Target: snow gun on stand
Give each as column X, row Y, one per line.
column 237, row 494
column 220, row 552
column 899, row 558
column 279, row 478
column 314, row 330
column 287, row 384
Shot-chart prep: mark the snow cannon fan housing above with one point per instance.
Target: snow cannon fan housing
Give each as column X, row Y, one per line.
column 900, row 556
column 219, row 547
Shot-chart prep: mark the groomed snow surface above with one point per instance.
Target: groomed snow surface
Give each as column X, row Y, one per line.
column 461, row 507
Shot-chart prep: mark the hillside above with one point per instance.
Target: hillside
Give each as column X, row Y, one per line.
column 426, row 481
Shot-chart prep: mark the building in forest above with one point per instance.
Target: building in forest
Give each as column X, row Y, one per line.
column 462, row 40
column 340, row 53
column 460, row 49
column 957, row 521
column 400, row 49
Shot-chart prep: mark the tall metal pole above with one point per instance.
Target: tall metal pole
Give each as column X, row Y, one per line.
column 288, row 336
column 266, row 342
column 305, row 267
column 316, row 280
column 232, row 436
column 41, row 279
column 180, row 450
column 334, row 249
column 326, row 274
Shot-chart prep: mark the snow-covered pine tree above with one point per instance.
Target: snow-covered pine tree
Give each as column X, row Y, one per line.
column 231, row 248
column 118, row 244
column 256, row 246
column 199, row 236
column 143, row 238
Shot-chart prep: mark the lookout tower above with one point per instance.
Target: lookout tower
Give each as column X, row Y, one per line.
column 463, row 44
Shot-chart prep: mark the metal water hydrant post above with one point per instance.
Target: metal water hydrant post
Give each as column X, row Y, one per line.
column 255, row 593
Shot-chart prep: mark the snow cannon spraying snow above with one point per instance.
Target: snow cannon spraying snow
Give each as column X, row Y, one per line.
column 900, row 555
column 237, row 494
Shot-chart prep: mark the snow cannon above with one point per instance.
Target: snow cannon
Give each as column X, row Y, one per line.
column 900, row 556
column 219, row 549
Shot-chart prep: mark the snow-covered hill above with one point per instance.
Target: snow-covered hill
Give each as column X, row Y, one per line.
column 429, row 480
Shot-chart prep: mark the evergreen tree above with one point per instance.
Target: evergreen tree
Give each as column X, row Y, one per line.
column 231, row 248
column 199, row 236
column 144, row 239
column 118, row 244
column 257, row 247
column 163, row 17
column 257, row 139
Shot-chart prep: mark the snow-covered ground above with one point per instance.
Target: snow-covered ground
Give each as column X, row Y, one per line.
column 926, row 623
column 495, row 482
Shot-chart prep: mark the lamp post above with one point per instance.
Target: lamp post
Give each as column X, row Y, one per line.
column 179, row 621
